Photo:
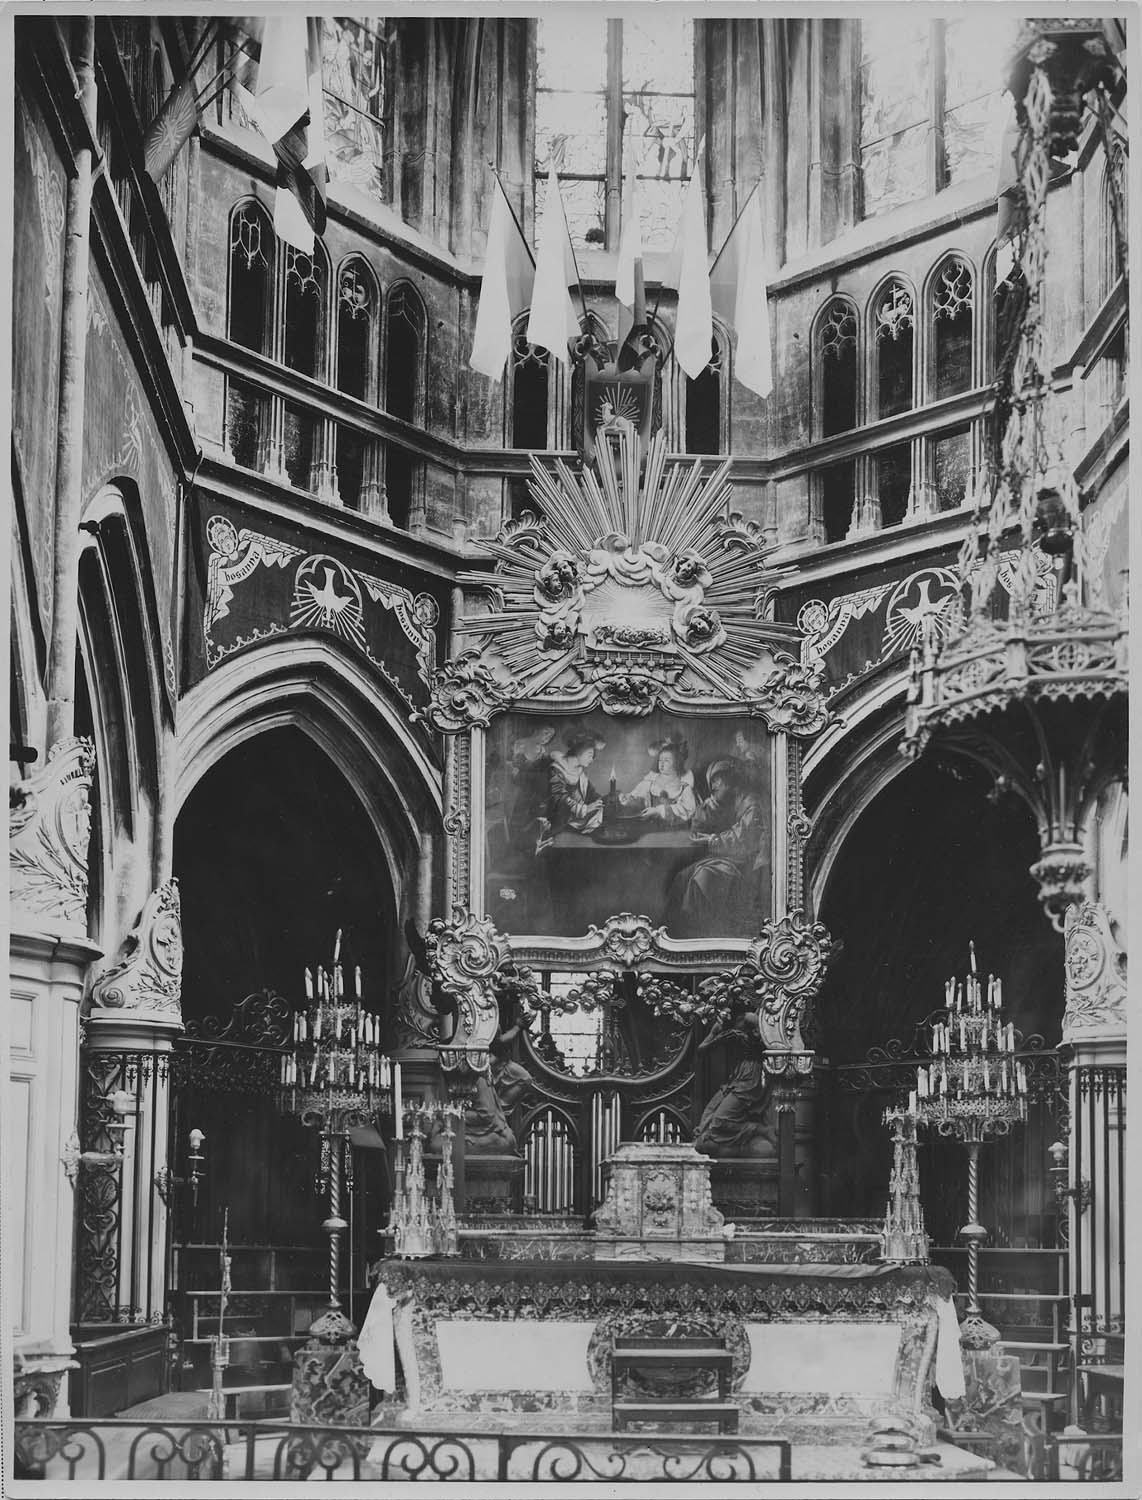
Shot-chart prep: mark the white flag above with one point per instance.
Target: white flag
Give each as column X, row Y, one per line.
column 552, row 320
column 741, row 298
column 688, row 271
column 505, row 289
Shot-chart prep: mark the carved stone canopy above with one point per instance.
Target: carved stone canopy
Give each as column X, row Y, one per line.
column 49, row 827
column 1096, row 977
column 146, row 983
column 638, row 589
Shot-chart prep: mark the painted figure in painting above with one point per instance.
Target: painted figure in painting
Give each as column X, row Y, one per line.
column 722, row 884
column 736, row 1120
column 667, row 792
column 530, row 770
column 574, row 802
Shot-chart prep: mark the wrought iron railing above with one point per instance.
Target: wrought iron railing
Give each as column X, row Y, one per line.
column 119, row 1450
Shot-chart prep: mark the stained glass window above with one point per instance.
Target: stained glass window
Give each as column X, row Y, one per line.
column 914, row 71
column 353, row 76
column 592, row 77
column 976, row 48
column 951, row 467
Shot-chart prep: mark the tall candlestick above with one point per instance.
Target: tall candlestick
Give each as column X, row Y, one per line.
column 398, row 1103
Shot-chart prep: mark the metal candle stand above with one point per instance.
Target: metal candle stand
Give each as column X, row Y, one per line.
column 423, row 1224
column 336, row 1078
column 974, row 1089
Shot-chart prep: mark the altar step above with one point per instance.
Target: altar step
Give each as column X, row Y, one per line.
column 675, row 1414
column 664, row 1357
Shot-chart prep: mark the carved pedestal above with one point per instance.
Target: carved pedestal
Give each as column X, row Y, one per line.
column 329, row 1386
column 744, row 1187
column 658, row 1207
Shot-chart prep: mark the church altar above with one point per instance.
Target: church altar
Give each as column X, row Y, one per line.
column 817, row 1348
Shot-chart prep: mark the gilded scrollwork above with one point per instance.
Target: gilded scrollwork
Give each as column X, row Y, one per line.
column 147, row 980
column 49, row 827
column 788, row 694
column 466, row 691
column 626, row 939
column 633, row 592
column 463, row 957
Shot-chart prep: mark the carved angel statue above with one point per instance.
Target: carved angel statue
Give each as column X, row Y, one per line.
column 736, row 1120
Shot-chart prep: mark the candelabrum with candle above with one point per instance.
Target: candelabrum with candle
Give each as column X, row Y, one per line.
column 974, row 1089
column 423, row 1222
column 335, row 1078
column 904, row 1238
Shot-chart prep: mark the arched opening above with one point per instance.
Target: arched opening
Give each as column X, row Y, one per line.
column 894, row 338
column 951, row 321
column 356, row 321
column 704, row 406
column 305, row 283
column 837, row 360
column 530, row 370
column 932, row 865
column 251, row 245
column 405, row 349
column 273, row 857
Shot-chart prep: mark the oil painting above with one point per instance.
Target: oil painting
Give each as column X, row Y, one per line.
column 663, row 816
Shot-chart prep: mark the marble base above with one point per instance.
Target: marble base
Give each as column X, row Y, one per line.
column 744, row 1187
column 329, row 1386
column 488, row 1183
column 992, row 1406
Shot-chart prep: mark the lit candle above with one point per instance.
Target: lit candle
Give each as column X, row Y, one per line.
column 357, row 980
column 614, row 781
column 963, row 1044
column 912, row 1102
column 309, row 984
column 337, row 946
column 398, row 1103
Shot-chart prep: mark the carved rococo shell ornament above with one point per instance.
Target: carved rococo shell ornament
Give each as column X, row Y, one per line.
column 49, row 829
column 790, row 958
column 637, row 590
column 147, row 980
column 463, row 956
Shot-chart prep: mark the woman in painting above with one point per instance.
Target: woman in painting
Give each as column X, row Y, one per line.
column 667, row 792
column 736, row 1120
column 573, row 801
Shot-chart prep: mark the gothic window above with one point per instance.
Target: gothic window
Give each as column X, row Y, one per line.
column 251, row 246
column 304, row 293
column 530, row 392
column 405, row 352
column 894, row 482
column 353, row 79
column 1112, row 261
column 837, row 491
column 356, row 319
column 931, row 111
column 704, row 406
column 893, row 340
column 593, row 76
column 951, row 311
column 837, row 358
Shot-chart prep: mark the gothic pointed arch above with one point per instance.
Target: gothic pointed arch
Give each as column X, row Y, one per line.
column 949, row 302
column 250, row 279
column 357, row 304
column 836, row 369
column 322, row 689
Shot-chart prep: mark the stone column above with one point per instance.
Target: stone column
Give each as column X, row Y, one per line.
column 1094, row 1031
column 49, row 954
column 135, row 1015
